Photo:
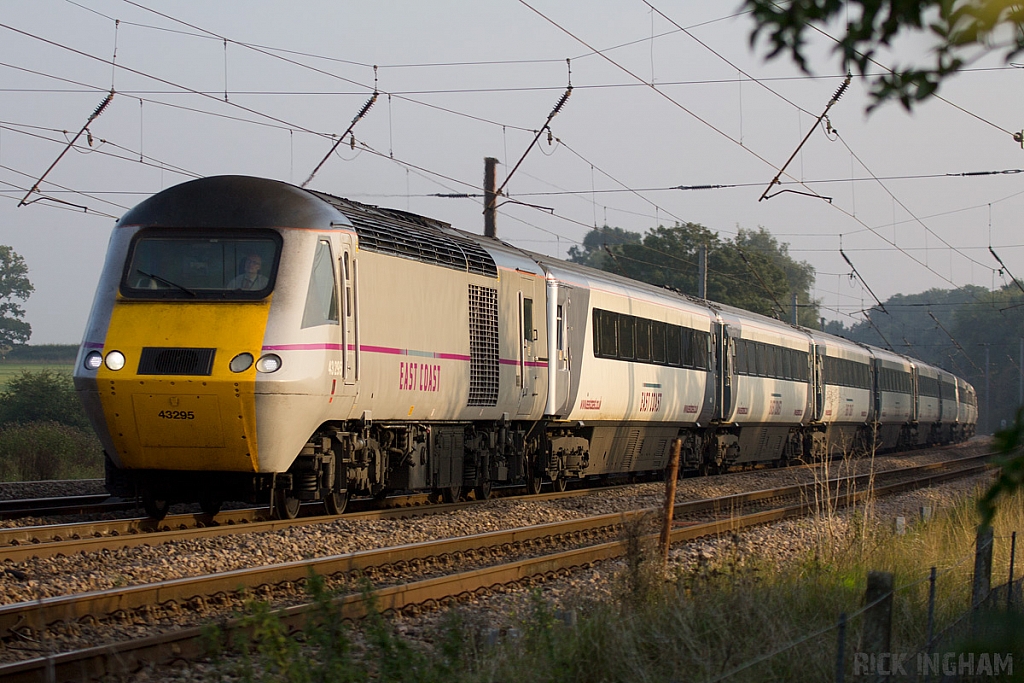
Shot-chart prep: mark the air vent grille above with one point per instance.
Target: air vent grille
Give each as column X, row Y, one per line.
column 157, row 360
column 413, row 237
column 483, row 346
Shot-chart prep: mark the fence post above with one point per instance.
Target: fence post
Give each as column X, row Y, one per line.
column 931, row 619
column 670, row 500
column 841, row 649
column 876, row 636
column 982, row 583
column 1009, row 585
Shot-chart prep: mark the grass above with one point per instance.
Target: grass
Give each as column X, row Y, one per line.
column 44, row 433
column 9, row 371
column 736, row 618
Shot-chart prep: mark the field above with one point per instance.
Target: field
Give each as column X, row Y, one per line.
column 10, row 370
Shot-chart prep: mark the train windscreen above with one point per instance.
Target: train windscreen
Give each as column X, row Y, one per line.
column 187, row 265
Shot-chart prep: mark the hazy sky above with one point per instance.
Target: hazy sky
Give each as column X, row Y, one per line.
column 473, row 79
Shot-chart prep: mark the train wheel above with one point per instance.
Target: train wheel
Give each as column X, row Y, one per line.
column 559, row 484
column 209, row 505
column 336, row 502
column 451, row 494
column 286, row 507
column 155, row 505
column 534, row 483
column 483, row 491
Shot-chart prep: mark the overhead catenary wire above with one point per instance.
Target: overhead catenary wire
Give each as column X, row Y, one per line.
column 92, row 117
column 358, row 117
column 835, row 98
column 861, row 279
column 520, row 196
column 1003, row 266
column 546, row 127
column 953, row 339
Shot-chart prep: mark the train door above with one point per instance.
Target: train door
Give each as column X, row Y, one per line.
column 563, row 360
column 528, row 338
column 349, row 311
column 818, row 379
column 723, row 369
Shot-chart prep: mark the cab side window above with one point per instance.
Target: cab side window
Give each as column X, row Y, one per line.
column 322, row 295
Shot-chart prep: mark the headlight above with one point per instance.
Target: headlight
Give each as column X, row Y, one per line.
column 241, row 362
column 269, row 363
column 93, row 360
column 115, row 360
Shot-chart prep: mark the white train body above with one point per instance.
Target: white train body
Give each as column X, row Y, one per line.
column 376, row 350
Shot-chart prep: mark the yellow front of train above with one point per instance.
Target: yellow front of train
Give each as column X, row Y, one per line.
column 170, row 358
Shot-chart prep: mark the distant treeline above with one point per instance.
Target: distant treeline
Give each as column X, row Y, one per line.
column 41, row 353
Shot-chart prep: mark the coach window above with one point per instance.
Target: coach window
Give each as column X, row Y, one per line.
column 761, row 363
column 673, row 349
column 658, row 342
column 348, row 289
column 643, row 340
column 528, row 319
column 626, row 325
column 605, row 324
column 322, row 294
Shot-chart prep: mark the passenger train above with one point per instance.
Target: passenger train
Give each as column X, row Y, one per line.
column 251, row 340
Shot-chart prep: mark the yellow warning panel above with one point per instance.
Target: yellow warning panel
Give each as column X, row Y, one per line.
column 178, row 420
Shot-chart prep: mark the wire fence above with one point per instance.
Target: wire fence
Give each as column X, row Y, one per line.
column 970, row 633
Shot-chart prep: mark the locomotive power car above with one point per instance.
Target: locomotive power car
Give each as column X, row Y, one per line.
column 251, row 340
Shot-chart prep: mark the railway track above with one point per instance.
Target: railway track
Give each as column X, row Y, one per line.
column 419, row 575
column 21, row 543
column 64, row 505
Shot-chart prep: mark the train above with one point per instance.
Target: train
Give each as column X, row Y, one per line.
column 253, row 341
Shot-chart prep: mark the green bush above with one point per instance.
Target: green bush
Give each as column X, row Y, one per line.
column 42, row 396
column 48, row 450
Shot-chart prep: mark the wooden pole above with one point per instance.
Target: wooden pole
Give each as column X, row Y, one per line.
column 671, row 474
column 490, row 199
column 877, row 634
column 982, row 567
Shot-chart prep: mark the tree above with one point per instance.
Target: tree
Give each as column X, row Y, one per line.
column 593, row 253
column 963, row 30
column 14, row 284
column 753, row 271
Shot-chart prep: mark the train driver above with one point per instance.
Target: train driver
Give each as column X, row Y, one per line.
column 251, row 277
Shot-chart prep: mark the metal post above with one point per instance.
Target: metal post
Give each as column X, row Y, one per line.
column 1009, row 584
column 702, row 272
column 796, row 318
column 490, row 198
column 841, row 649
column 931, row 616
column 671, row 474
column 988, row 393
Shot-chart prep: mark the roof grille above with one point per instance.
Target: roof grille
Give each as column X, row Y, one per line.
column 157, row 360
column 418, row 238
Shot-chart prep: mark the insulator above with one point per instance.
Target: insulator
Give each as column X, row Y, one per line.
column 103, row 105
column 842, row 88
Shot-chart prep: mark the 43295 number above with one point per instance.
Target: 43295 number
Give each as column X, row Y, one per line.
column 177, row 414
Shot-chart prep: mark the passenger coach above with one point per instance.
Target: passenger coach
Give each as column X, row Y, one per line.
column 251, row 340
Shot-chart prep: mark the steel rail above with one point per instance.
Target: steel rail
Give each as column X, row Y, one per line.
column 126, row 656
column 102, row 603
column 62, row 505
column 21, row 543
